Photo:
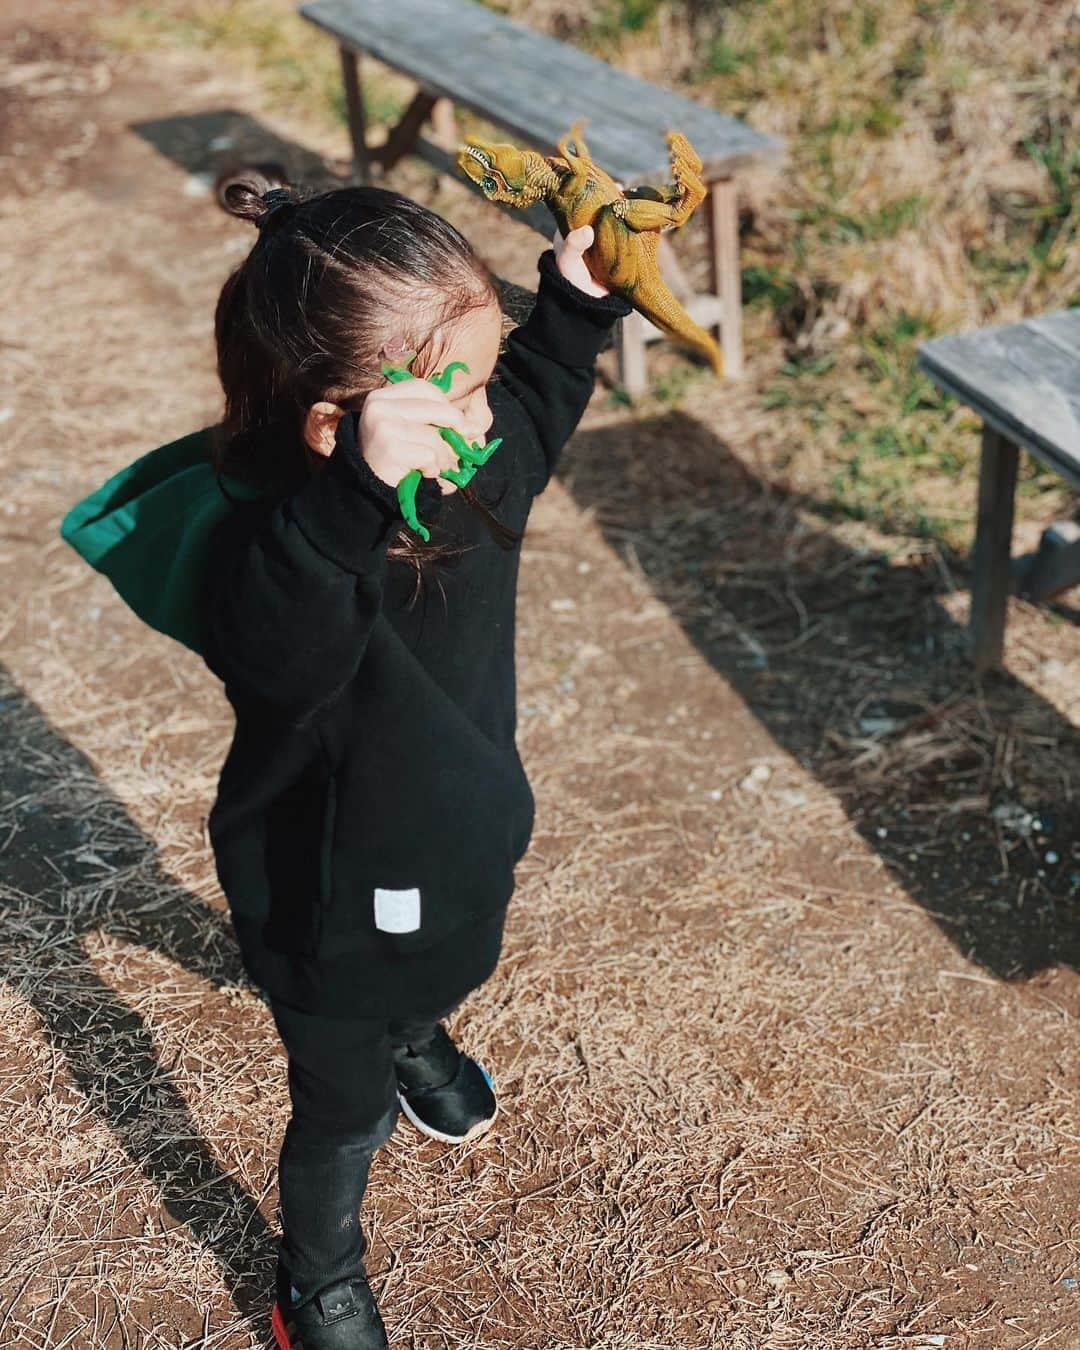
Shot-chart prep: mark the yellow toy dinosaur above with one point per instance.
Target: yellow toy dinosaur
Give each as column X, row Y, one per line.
column 626, row 224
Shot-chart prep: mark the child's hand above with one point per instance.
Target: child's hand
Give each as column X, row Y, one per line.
column 569, row 258
column 397, row 432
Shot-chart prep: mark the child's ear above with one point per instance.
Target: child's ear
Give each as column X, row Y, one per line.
column 320, row 427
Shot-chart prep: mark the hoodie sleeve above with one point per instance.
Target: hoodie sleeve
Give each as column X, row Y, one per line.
column 292, row 591
column 549, row 364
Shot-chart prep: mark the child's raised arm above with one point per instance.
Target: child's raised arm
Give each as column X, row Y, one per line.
column 549, row 364
column 292, row 592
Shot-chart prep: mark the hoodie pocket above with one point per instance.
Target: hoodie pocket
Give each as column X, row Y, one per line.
column 326, row 846
column 299, row 827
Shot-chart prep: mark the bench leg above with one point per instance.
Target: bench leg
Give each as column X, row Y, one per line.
column 444, row 124
column 993, row 536
column 354, row 105
column 630, row 354
column 402, row 136
column 722, row 217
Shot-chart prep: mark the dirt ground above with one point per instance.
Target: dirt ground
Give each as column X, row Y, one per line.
column 785, row 1028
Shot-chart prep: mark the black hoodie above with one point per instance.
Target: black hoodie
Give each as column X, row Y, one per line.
column 373, row 799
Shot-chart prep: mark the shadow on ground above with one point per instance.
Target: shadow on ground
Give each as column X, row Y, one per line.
column 52, row 899
column 966, row 789
column 209, row 143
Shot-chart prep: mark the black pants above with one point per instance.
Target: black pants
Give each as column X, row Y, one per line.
column 344, row 1102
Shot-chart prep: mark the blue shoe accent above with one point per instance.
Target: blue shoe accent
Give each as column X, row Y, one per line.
column 450, row 1108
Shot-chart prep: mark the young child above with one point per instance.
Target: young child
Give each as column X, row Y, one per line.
column 372, row 805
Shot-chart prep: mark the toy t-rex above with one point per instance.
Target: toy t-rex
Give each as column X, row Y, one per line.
column 626, row 224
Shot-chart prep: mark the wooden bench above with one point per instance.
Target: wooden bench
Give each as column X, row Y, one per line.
column 1023, row 380
column 534, row 86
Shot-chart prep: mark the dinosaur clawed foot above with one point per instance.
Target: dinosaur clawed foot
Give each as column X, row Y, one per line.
column 685, row 162
column 685, row 167
column 683, row 154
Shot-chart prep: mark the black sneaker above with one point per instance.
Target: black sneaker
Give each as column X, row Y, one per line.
column 341, row 1316
column 443, row 1092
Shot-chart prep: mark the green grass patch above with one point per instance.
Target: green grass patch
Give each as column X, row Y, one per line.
column 618, row 20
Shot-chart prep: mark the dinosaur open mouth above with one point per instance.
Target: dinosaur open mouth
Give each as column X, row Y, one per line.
column 485, row 160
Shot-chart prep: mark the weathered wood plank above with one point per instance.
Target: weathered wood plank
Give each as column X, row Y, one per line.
column 1062, row 328
column 534, row 85
column 993, row 535
column 1021, row 382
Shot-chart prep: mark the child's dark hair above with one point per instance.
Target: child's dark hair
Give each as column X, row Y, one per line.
column 306, row 315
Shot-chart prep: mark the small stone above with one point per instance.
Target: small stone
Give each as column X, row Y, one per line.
column 198, row 185
column 1012, row 816
column 779, row 1279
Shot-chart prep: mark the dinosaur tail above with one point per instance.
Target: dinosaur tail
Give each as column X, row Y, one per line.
column 663, row 308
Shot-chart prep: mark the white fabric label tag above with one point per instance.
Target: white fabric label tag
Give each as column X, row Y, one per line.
column 397, row 911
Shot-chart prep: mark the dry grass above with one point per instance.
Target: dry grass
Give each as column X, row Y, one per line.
column 770, row 1078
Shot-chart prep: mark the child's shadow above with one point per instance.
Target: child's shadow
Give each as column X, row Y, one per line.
column 48, row 901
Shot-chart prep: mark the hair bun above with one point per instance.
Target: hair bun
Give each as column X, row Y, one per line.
column 278, row 202
column 255, row 193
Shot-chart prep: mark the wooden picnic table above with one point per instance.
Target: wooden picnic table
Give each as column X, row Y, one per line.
column 534, row 86
column 1023, row 379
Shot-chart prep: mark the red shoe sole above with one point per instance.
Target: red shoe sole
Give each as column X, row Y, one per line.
column 277, row 1326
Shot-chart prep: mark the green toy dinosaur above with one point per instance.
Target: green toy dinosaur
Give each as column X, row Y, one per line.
column 626, row 225
column 472, row 456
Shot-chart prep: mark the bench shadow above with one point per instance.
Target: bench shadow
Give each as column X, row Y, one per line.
column 51, row 900
column 222, row 139
column 858, row 671
column 209, row 142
